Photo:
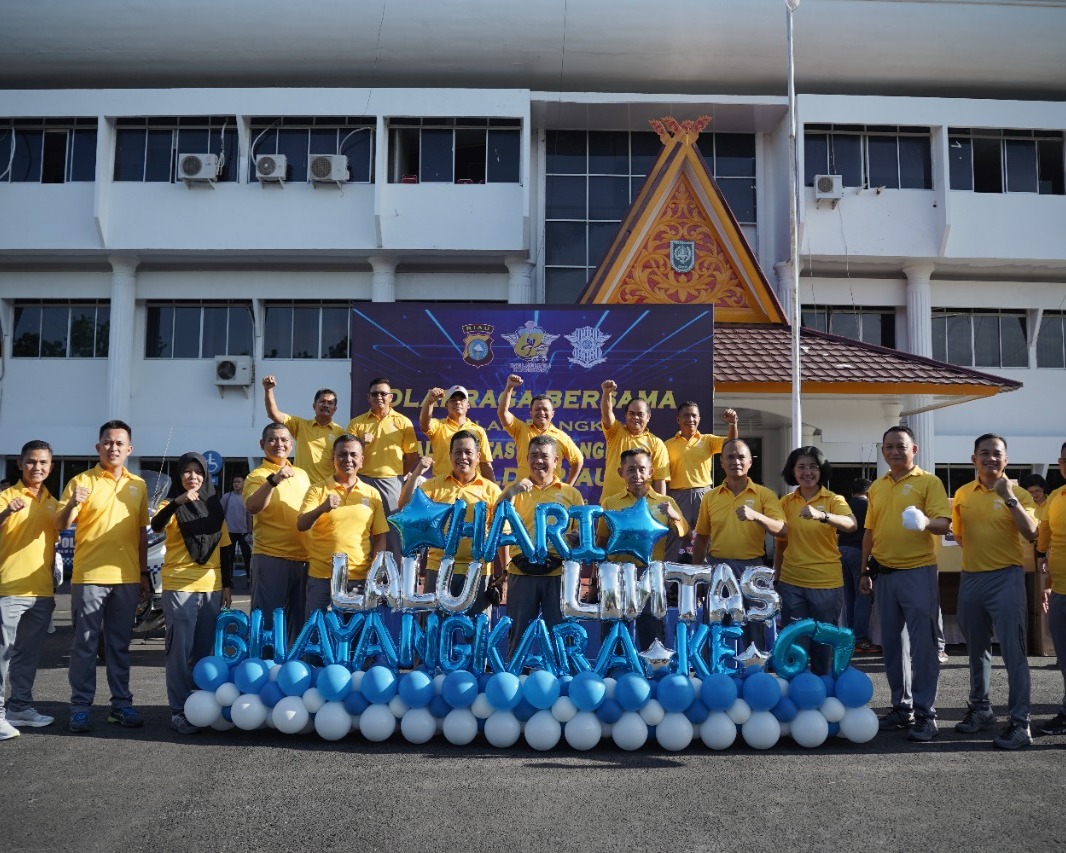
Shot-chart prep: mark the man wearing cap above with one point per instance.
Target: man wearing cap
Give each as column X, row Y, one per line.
column 541, row 413
column 631, row 435
column 457, row 401
column 314, row 437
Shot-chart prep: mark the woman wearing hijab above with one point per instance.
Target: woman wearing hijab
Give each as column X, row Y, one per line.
column 197, row 581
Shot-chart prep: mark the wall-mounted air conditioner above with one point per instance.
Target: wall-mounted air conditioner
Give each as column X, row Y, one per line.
column 198, row 168
column 271, row 168
column 233, row 370
column 328, row 169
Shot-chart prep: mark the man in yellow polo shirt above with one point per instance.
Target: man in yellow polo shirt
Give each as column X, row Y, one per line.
column 273, row 495
column 534, row 588
column 691, row 459
column 629, row 436
column 440, row 433
column 733, row 522
column 1051, row 561
column 109, row 506
column 986, row 517
column 907, row 508
column 636, row 472
column 466, row 483
column 314, row 436
column 27, row 548
column 541, row 414
column 390, row 450
column 344, row 516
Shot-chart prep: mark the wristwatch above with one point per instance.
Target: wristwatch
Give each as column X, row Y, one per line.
column 1010, row 503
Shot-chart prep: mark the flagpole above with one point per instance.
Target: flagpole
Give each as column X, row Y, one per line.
column 793, row 233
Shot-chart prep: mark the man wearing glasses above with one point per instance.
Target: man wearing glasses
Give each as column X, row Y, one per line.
column 314, row 437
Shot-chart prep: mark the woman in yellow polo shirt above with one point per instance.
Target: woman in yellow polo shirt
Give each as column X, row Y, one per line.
column 196, row 578
column 807, row 573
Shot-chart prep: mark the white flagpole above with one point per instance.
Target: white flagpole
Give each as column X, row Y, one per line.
column 793, row 233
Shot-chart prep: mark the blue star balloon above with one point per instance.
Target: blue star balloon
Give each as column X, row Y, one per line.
column 634, row 531
column 420, row 523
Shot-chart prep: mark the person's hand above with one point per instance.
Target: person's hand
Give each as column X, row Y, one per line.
column 269, row 382
column 808, row 512
column 332, row 501
column 284, row 472
column 16, row 504
column 1041, row 565
column 745, row 513
column 1003, row 489
column 227, row 597
column 81, row 494
column 367, row 437
column 667, row 509
column 191, row 496
column 1045, row 601
column 514, row 380
column 866, row 585
column 730, row 416
column 422, row 465
column 609, row 386
column 523, row 485
column 914, row 519
column 437, row 394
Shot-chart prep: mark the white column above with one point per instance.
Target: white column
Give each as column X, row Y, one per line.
column 920, row 342
column 120, row 347
column 520, row 283
column 783, row 271
column 383, row 286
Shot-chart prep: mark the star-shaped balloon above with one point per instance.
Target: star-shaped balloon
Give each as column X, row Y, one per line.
column 634, row 531
column 657, row 657
column 420, row 523
column 751, row 657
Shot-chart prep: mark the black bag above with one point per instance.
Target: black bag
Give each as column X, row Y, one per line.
column 526, row 567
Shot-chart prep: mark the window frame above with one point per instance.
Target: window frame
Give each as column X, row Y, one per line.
column 184, row 304
column 407, row 143
column 73, row 129
column 322, row 349
column 943, row 319
column 865, row 134
column 263, row 129
column 222, row 139
column 1049, row 172
column 101, row 326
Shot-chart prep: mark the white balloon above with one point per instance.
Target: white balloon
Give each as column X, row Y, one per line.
column 697, row 683
column 357, row 679
column 610, row 684
column 222, row 724
column 377, row 723
column 740, row 712
column 249, row 712
column 290, row 715
column 630, row 732
column 833, row 709
column 783, row 684
column 810, row 729
column 313, row 700
column 652, row 713
column 227, row 694
column 398, row 707
column 418, row 725
column 859, row 725
column 460, row 726
column 202, row 708
column 542, row 731
column 270, row 719
column 502, row 729
column 482, row 707
column 718, row 731
column 674, row 732
column 762, row 730
column 274, row 670
column 583, row 731
column 332, row 721
column 438, row 683
column 564, row 710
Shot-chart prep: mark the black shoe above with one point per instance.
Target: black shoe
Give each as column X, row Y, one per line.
column 1055, row 726
column 897, row 718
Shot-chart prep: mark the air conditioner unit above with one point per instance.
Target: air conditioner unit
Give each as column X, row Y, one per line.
column 198, row 168
column 233, row 370
column 828, row 187
column 270, row 168
column 328, row 169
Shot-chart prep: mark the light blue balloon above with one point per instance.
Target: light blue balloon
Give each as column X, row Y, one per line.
column 807, row 690
column 761, row 691
column 294, row 678
column 459, row 689
column 587, row 691
column 540, row 689
column 718, row 691
column 675, row 693
column 854, row 688
column 210, row 673
column 334, row 682
column 378, row 685
column 251, row 675
column 504, row 691
column 632, row 691
column 416, row 689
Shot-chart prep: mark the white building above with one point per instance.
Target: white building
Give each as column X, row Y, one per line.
column 491, row 150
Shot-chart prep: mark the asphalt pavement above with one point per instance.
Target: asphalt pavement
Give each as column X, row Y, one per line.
column 152, row 789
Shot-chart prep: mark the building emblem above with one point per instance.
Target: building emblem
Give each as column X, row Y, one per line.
column 588, row 344
column 477, row 345
column 682, row 255
column 530, row 341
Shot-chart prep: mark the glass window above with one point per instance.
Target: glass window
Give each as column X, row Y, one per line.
column 1021, row 165
column 565, row 244
column 293, row 142
column 49, row 151
column 470, row 154
column 335, row 331
column 915, row 163
column 734, row 155
column 147, row 149
column 959, row 336
column 436, row 156
column 986, row 340
column 883, row 153
column 503, row 159
column 980, row 338
column 845, row 158
column 608, row 197
column 846, row 325
column 26, row 162
column 1013, row 346
column 83, row 155
column 870, row 156
column 987, row 166
column 1050, row 348
column 815, row 156
column 1050, row 165
column 563, row 286
column 740, row 196
column 960, row 158
column 567, row 153
column 644, row 149
column 186, row 340
column 277, row 332
column 601, row 235
column 608, row 153
column 197, row 329
column 306, row 329
column 60, row 329
column 565, row 197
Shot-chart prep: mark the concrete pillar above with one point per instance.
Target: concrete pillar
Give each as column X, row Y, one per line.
column 120, row 347
column 783, row 271
column 891, row 411
column 383, row 286
column 520, row 283
column 920, row 340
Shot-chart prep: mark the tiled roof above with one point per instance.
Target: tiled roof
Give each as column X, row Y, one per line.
column 762, row 354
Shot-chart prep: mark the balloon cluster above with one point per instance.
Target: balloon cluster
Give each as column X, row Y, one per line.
column 583, row 710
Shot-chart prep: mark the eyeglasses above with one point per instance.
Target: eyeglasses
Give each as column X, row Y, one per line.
column 380, row 394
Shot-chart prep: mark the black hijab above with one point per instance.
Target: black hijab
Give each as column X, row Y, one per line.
column 200, row 521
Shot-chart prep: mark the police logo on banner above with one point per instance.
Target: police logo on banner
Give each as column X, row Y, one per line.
column 477, row 345
column 682, row 255
column 530, row 341
column 588, row 344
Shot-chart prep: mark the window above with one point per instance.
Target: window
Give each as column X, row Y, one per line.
column 592, row 179
column 48, row 151
column 61, row 329
column 1051, row 344
column 455, row 150
column 198, row 329
column 1013, row 161
column 980, row 338
column 869, row 156
column 147, row 149
column 300, row 138
column 871, row 325
column 300, row 329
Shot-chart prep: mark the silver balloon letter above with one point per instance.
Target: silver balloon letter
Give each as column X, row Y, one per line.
column 757, row 584
column 649, row 591
column 570, row 594
column 723, row 596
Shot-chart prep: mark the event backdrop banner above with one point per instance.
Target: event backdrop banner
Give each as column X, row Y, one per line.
column 658, row 352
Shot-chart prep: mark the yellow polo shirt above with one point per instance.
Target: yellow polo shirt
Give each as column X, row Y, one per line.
column 619, row 440
column 314, row 445
column 346, row 529
column 985, row 527
column 28, row 543
column 393, row 438
column 1040, row 512
column 522, row 432
column 691, row 460
column 447, row 490
column 181, row 573
column 731, row 538
column 622, row 500
column 440, row 441
column 812, row 558
column 1052, row 538
column 108, row 527
column 526, row 503
column 893, row 545
column 274, row 532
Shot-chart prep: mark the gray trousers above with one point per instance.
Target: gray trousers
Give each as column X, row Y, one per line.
column 23, row 625
column 389, row 489
column 280, row 583
column 190, row 636
column 527, row 597
column 822, row 605
column 910, row 599
column 95, row 608
column 996, row 600
column 1056, row 622
column 688, row 501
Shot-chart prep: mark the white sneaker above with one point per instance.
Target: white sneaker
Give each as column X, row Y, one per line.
column 30, row 717
column 8, row 731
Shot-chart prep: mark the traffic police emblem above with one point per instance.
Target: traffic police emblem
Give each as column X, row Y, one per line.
column 588, row 344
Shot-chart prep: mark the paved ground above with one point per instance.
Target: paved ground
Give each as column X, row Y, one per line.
column 116, row 790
